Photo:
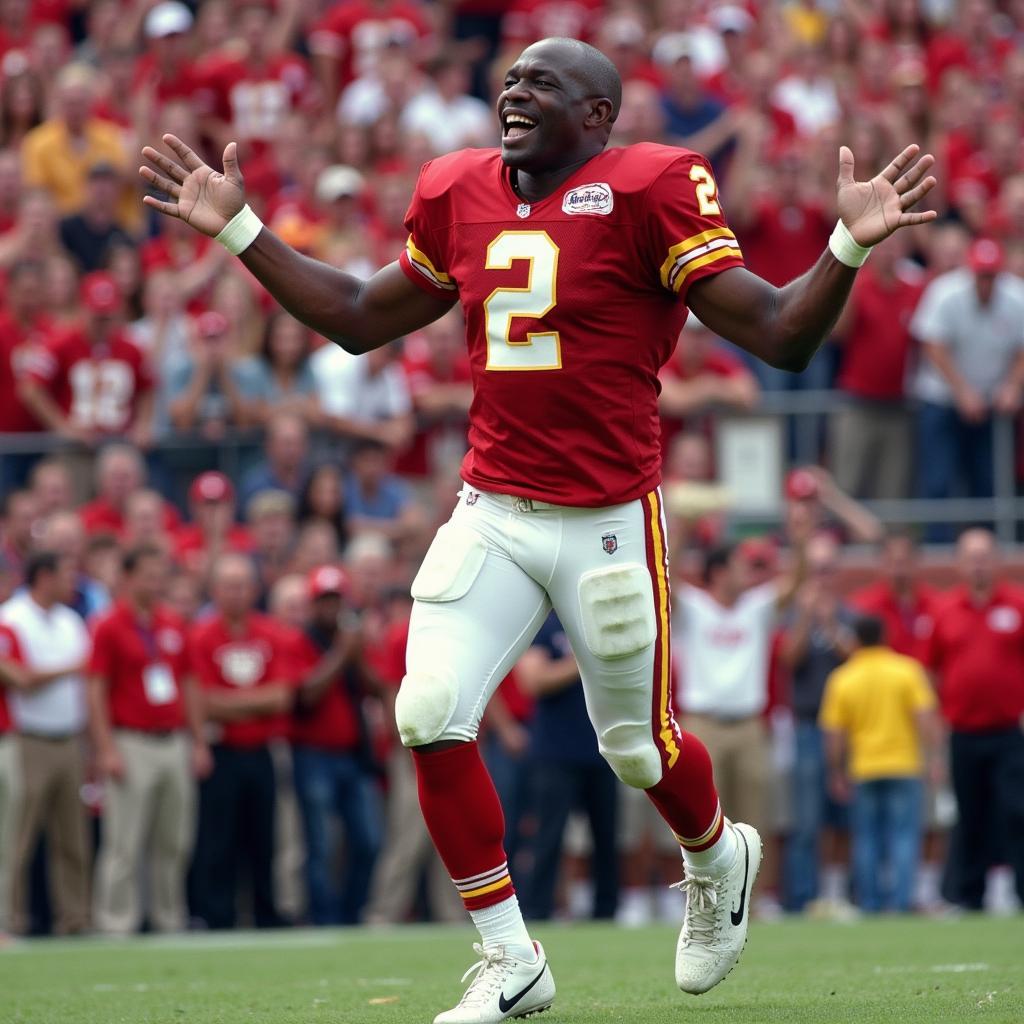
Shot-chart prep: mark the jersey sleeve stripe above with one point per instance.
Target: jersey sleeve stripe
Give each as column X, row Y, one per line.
column 723, row 252
column 423, row 264
column 693, row 246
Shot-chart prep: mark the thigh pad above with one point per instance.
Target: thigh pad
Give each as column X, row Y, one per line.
column 617, row 610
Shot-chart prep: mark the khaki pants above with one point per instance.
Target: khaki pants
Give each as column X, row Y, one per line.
column 51, row 772
column 407, row 848
column 741, row 757
column 10, row 800
column 871, row 450
column 151, row 812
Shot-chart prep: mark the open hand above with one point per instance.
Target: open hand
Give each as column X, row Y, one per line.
column 200, row 196
column 873, row 210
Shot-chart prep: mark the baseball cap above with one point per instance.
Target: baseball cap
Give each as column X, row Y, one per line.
column 211, row 486
column 100, row 293
column 211, row 323
column 337, row 181
column 169, row 18
column 731, row 18
column 759, row 551
column 801, row 485
column 985, row 256
column 327, row 579
column 672, row 47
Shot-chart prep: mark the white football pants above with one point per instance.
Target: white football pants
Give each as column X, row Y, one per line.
column 489, row 579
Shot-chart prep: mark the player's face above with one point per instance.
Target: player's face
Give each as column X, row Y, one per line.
column 541, row 111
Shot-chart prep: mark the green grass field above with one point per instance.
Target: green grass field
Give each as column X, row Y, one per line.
column 899, row 972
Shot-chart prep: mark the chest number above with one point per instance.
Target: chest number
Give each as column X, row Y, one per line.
column 706, row 191
column 542, row 350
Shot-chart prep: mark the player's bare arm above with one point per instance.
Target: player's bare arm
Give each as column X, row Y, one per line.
column 358, row 315
column 785, row 326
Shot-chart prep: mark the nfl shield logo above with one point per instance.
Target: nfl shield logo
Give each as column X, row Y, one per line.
column 523, row 210
column 610, row 543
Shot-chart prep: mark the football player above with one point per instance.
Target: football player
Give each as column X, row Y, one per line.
column 574, row 265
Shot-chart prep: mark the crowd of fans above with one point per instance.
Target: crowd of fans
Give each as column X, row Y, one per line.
column 137, row 352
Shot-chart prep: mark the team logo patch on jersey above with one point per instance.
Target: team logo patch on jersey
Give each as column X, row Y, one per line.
column 523, row 210
column 610, row 543
column 593, row 198
column 472, row 497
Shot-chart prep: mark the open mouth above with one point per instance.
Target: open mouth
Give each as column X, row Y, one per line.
column 517, row 125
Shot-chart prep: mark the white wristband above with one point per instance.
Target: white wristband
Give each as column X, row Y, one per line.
column 845, row 249
column 240, row 232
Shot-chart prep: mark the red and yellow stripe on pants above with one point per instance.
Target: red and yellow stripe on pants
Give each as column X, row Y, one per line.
column 486, row 888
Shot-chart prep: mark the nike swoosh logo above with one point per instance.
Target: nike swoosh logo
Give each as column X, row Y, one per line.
column 506, row 1004
column 737, row 915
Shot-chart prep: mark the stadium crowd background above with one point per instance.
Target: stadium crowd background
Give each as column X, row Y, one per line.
column 135, row 355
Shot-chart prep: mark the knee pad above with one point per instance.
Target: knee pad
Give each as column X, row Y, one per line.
column 617, row 610
column 631, row 753
column 424, row 706
column 452, row 563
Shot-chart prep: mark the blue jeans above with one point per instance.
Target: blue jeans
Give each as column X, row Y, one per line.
column 809, row 794
column 329, row 784
column 886, row 824
column 953, row 456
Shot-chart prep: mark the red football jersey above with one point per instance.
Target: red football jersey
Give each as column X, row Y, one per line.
column 18, row 346
column 334, row 723
column 97, row 386
column 222, row 660
column 585, row 290
column 144, row 668
column 9, row 651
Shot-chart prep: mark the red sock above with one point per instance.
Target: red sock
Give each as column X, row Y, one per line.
column 464, row 818
column 687, row 799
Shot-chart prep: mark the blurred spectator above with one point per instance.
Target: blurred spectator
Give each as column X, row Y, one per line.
column 21, row 106
column 814, row 500
column 721, row 649
column 147, row 730
column 568, row 774
column 976, row 651
column 323, row 500
column 449, row 117
column 315, row 544
column 64, row 534
column 212, row 529
column 35, row 234
column 271, row 519
column 89, row 232
column 693, row 117
column 49, row 719
column 288, row 384
column 285, row 459
column 696, row 505
column 58, row 153
column 120, row 472
column 12, row 676
column 50, row 484
column 216, row 388
column 872, row 445
column 808, row 93
column 165, row 70
column 364, row 396
column 333, row 763
column 818, row 640
column 144, row 523
column 94, row 382
column 20, row 512
column 341, row 236
column 878, row 713
column 247, row 694
column 971, row 326
column 376, row 499
column 905, row 604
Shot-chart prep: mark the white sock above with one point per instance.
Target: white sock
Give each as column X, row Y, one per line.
column 503, row 925
column 716, row 860
column 835, row 883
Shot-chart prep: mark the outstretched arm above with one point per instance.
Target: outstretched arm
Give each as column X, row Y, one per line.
column 785, row 326
column 358, row 315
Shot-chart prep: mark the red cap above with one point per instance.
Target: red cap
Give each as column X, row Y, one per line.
column 100, row 293
column 801, row 485
column 760, row 549
column 211, row 486
column 327, row 579
column 211, row 323
column 985, row 256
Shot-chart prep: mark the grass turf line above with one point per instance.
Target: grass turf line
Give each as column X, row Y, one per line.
column 891, row 971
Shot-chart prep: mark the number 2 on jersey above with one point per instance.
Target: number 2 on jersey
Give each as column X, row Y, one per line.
column 542, row 350
column 706, row 191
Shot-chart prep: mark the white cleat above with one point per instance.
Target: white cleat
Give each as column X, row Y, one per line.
column 717, row 913
column 505, row 988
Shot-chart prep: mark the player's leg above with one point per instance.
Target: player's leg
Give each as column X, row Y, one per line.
column 476, row 610
column 611, row 592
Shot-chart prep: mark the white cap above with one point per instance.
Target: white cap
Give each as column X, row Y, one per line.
column 731, row 18
column 337, row 181
column 169, row 18
column 673, row 46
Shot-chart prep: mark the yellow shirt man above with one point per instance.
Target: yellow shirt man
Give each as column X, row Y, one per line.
column 874, row 701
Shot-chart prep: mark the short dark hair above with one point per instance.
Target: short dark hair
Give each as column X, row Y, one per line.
column 869, row 630
column 40, row 562
column 138, row 554
column 717, row 557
